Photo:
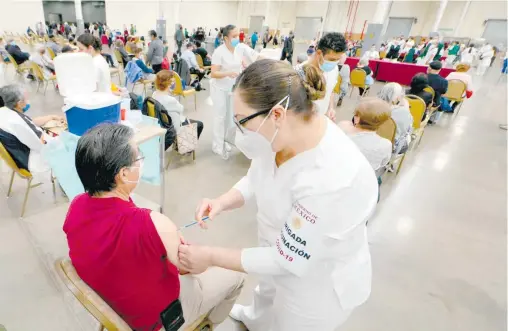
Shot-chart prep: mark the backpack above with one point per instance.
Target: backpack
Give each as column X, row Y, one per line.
column 164, row 120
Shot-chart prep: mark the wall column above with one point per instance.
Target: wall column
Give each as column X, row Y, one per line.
column 462, row 17
column 382, row 11
column 439, row 15
column 80, row 24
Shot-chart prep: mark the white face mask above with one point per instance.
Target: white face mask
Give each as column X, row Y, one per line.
column 252, row 143
column 140, row 172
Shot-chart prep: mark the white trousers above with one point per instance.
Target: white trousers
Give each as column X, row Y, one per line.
column 482, row 67
column 223, row 120
column 307, row 308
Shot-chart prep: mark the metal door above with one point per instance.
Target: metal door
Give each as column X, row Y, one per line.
column 398, row 26
column 256, row 24
column 495, row 33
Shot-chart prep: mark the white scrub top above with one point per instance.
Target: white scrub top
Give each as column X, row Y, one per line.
column 331, row 80
column 231, row 62
column 102, row 74
column 312, row 211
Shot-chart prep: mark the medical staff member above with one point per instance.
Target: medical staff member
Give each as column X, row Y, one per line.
column 314, row 192
column 330, row 49
column 226, row 66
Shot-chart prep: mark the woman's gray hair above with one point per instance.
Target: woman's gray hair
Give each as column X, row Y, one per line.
column 391, row 92
column 11, row 95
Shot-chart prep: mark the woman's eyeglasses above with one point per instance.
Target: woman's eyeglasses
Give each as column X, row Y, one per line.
column 240, row 123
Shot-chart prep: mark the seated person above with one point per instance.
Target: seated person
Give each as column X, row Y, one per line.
column 207, row 59
column 418, row 83
column 123, row 53
column 393, row 51
column 43, row 61
column 53, row 45
column 17, row 54
column 393, row 93
column 462, row 75
column 26, row 138
column 134, row 265
column 67, row 49
column 3, row 51
column 369, row 114
column 364, row 65
column 131, row 44
column 438, row 83
column 345, row 75
column 173, row 107
column 138, row 58
column 190, row 58
column 371, row 54
column 410, row 55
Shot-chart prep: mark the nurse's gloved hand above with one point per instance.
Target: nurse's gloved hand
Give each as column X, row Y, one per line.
column 210, row 208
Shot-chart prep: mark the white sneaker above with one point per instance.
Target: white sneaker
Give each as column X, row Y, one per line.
column 237, row 312
column 228, row 147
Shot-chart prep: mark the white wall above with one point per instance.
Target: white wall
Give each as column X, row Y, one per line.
column 478, row 12
column 421, row 10
column 142, row 13
column 16, row 16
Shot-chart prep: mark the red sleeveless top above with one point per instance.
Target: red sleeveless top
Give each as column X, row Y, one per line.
column 116, row 250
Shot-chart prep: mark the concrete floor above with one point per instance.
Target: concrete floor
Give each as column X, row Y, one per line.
column 438, row 238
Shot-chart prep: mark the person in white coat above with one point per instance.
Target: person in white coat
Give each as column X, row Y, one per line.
column 227, row 61
column 330, row 48
column 485, row 57
column 371, row 54
column 314, row 191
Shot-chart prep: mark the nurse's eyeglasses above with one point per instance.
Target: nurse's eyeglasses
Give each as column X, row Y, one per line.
column 240, row 123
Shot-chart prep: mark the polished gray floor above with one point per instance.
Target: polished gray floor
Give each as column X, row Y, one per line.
column 438, row 238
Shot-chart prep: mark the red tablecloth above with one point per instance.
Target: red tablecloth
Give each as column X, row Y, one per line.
column 397, row 72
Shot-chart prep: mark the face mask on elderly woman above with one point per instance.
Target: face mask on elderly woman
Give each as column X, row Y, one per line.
column 140, row 162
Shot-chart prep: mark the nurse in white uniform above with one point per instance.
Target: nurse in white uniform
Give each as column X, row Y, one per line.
column 314, row 192
column 330, row 49
column 226, row 66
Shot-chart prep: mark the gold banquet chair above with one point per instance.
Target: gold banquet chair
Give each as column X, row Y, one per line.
column 180, row 92
column 52, row 54
column 199, row 60
column 358, row 77
column 19, row 68
column 456, row 91
column 388, row 131
column 41, row 79
column 431, row 107
column 23, row 173
column 108, row 319
column 417, row 109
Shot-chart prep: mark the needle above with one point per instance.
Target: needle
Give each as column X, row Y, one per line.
column 206, row 218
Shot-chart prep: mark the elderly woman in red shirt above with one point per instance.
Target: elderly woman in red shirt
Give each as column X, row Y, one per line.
column 128, row 254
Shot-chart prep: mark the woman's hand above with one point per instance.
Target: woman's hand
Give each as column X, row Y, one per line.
column 331, row 114
column 233, row 74
column 194, row 259
column 58, row 118
column 208, row 208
